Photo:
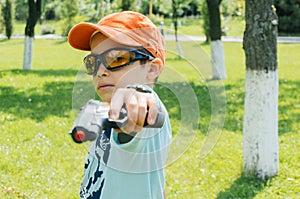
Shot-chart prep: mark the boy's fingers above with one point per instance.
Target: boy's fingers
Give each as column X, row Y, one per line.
column 136, row 112
column 152, row 115
column 132, row 108
column 152, row 111
column 116, row 104
column 142, row 108
column 136, row 104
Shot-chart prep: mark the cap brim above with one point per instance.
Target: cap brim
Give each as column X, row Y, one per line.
column 79, row 36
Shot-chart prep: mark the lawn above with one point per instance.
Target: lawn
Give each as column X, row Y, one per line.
column 39, row 159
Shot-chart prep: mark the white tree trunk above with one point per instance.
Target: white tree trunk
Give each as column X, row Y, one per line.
column 260, row 131
column 218, row 60
column 180, row 53
column 28, row 46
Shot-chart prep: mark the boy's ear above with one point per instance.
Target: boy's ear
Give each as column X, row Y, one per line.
column 155, row 69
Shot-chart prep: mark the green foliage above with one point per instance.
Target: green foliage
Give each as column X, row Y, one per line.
column 162, row 8
column 205, row 18
column 235, row 8
column 159, row 7
column 1, row 20
column 127, row 5
column 94, row 10
column 51, row 10
column 69, row 11
column 21, row 10
column 91, row 9
column 70, row 8
column 288, row 12
column 7, row 18
column 230, row 10
column 178, row 7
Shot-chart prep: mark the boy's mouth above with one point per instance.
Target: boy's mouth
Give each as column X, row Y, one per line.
column 105, row 86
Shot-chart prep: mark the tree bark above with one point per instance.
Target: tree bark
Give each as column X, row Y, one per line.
column 214, row 19
column 260, row 128
column 175, row 6
column 216, row 45
column 7, row 16
column 34, row 11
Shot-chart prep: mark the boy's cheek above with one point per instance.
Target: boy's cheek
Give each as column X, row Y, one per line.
column 132, row 78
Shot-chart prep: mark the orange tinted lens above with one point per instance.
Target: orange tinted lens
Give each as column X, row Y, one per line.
column 115, row 58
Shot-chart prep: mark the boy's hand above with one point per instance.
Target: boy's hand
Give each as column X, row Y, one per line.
column 137, row 105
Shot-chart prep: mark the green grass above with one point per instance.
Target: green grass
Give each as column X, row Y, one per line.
column 39, row 160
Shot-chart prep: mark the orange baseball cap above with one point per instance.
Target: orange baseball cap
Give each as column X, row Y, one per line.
column 127, row 28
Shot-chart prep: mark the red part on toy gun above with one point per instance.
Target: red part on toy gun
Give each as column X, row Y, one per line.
column 80, row 135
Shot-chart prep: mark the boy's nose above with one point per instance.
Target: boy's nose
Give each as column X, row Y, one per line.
column 102, row 71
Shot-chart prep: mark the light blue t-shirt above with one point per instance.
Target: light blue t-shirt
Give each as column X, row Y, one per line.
column 134, row 170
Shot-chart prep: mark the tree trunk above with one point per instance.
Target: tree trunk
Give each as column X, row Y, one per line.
column 34, row 11
column 28, row 46
column 175, row 22
column 150, row 9
column 217, row 49
column 218, row 60
column 260, row 128
column 7, row 16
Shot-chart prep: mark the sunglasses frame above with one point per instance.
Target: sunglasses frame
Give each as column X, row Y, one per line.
column 140, row 54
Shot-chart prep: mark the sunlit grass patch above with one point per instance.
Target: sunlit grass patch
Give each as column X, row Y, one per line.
column 39, row 159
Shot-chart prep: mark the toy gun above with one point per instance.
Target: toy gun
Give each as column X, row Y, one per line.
column 93, row 119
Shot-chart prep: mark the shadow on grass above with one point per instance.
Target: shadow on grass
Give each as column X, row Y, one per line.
column 42, row 73
column 288, row 103
column 203, row 100
column 53, row 98
column 244, row 187
column 235, row 95
column 3, row 40
column 61, row 41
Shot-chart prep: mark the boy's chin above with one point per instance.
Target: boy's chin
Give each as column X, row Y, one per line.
column 105, row 98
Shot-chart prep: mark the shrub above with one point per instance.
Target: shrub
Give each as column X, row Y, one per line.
column 47, row 30
column 288, row 12
column 7, row 17
column 70, row 10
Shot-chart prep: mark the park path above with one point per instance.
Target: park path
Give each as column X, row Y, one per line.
column 229, row 38
column 170, row 37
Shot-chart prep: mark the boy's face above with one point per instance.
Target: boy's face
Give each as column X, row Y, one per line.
column 106, row 81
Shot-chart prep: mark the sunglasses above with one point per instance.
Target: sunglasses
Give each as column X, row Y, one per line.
column 114, row 59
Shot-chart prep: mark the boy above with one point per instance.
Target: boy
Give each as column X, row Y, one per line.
column 127, row 56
